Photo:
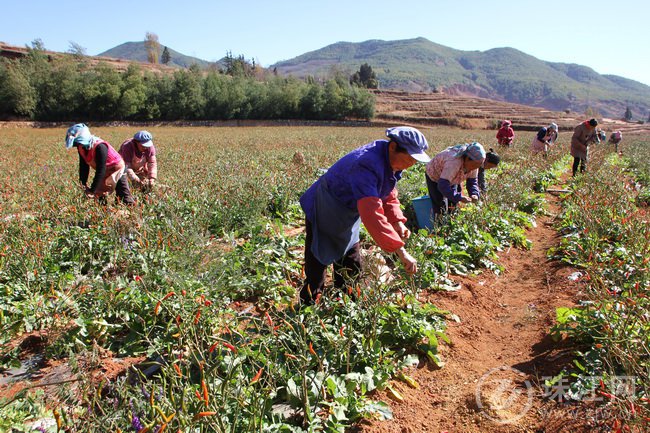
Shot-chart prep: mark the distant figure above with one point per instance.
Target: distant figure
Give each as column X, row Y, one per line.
column 583, row 135
column 505, row 134
column 108, row 164
column 545, row 138
column 602, row 136
column 616, row 138
column 139, row 155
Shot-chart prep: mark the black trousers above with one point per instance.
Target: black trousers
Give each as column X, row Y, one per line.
column 439, row 202
column 579, row 163
column 346, row 270
column 123, row 192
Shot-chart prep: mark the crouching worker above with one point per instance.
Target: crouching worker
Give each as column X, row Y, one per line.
column 108, row 164
column 447, row 170
column 358, row 188
column 139, row 155
column 615, row 139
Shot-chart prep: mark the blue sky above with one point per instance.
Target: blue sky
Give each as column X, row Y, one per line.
column 609, row 36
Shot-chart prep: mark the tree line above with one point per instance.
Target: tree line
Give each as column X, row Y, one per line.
column 61, row 88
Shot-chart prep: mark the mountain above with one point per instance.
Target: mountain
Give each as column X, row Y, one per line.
column 137, row 51
column 503, row 74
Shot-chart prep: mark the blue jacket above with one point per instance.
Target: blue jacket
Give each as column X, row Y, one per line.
column 330, row 204
column 364, row 172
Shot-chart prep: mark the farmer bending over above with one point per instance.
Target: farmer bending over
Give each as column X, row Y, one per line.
column 505, row 134
column 583, row 135
column 447, row 170
column 359, row 187
column 545, row 138
column 139, row 155
column 108, row 164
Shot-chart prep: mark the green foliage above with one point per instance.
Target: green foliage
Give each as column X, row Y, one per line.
column 606, row 237
column 65, row 89
column 365, row 77
column 166, row 57
column 201, row 277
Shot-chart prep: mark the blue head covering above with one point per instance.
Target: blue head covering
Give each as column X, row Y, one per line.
column 144, row 138
column 412, row 140
column 78, row 134
column 473, row 151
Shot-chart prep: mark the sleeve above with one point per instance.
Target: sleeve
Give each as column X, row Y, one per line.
column 126, row 152
column 392, row 208
column 499, row 134
column 373, row 217
column 101, row 154
column 84, row 170
column 472, row 187
column 152, row 166
column 447, row 191
column 541, row 134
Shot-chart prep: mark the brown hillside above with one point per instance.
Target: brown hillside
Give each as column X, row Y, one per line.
column 478, row 113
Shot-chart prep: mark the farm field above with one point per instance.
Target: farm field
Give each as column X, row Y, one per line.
column 181, row 314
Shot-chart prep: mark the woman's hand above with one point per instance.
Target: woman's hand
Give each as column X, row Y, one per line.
column 402, row 230
column 410, row 264
column 464, row 199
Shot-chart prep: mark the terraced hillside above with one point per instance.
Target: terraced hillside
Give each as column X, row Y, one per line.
column 470, row 112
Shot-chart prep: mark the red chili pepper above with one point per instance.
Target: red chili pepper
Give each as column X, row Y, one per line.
column 207, row 303
column 205, row 392
column 311, row 349
column 608, row 395
column 157, row 308
column 197, row 316
column 178, row 370
column 203, row 414
column 290, row 356
column 230, row 347
column 341, row 330
column 257, row 376
column 168, row 295
column 138, row 278
column 198, row 395
column 214, row 346
column 322, row 325
column 267, row 316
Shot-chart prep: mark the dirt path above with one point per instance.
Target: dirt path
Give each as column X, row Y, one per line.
column 492, row 380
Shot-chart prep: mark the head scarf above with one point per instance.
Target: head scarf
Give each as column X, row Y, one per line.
column 473, row 151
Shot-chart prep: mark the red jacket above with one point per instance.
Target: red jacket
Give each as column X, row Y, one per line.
column 505, row 134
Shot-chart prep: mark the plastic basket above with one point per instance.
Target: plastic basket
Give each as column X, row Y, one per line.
column 423, row 212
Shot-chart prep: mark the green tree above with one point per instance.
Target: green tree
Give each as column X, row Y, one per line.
column 133, row 100
column 628, row 114
column 166, row 56
column 365, row 77
column 17, row 97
